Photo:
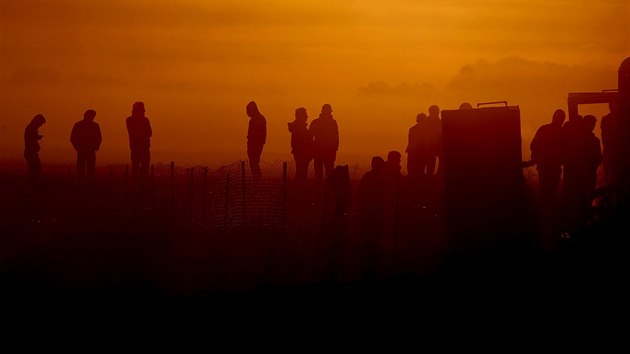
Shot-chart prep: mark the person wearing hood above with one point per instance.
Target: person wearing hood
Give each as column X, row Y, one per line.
column 256, row 137
column 31, row 147
column 140, row 133
column 325, row 141
column 301, row 143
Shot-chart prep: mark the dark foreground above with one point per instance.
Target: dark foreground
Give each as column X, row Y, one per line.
column 79, row 252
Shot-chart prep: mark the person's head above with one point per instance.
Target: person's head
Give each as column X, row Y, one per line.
column 89, row 114
column 394, row 156
column 465, row 105
column 558, row 117
column 326, row 109
column 300, row 114
column 252, row 109
column 138, row 109
column 377, row 163
column 434, row 111
column 589, row 122
column 38, row 120
column 420, row 117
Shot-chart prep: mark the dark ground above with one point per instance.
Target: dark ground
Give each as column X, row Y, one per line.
column 76, row 249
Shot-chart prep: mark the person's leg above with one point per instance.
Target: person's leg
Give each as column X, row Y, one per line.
column 431, row 166
column 329, row 162
column 301, row 167
column 253, row 154
column 135, row 165
column 318, row 165
column 144, row 164
column 81, row 165
column 34, row 166
column 91, row 164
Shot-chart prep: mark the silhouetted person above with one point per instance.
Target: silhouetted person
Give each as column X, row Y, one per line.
column 31, row 147
column 582, row 157
column 140, row 133
column 371, row 198
column 433, row 142
column 546, row 152
column 610, row 142
column 392, row 165
column 325, row 141
column 465, row 105
column 86, row 140
column 415, row 148
column 592, row 160
column 256, row 137
column 393, row 181
column 301, row 143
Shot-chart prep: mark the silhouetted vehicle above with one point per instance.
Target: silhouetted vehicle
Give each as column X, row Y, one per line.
column 31, row 147
column 325, row 142
column 301, row 143
column 86, row 139
column 256, row 137
column 140, row 133
column 484, row 181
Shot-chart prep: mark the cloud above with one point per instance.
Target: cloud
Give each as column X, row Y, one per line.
column 519, row 76
column 403, row 89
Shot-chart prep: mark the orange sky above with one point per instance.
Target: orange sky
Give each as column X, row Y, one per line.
column 196, row 64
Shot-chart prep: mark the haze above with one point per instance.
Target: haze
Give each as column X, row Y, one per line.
column 378, row 63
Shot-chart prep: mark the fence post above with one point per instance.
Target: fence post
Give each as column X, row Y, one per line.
column 227, row 201
column 113, row 190
column 126, row 186
column 203, row 196
column 244, row 192
column 173, row 188
column 152, row 186
column 284, row 195
column 190, row 190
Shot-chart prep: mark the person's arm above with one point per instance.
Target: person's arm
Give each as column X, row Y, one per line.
column 99, row 137
column 336, row 136
column 264, row 131
column 150, row 130
column 73, row 137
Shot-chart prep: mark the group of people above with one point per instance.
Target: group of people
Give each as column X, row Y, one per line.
column 572, row 151
column 86, row 139
column 318, row 141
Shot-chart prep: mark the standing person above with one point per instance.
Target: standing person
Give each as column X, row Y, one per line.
column 414, row 149
column 256, row 137
column 31, row 147
column 86, row 139
column 546, row 152
column 301, row 143
column 325, row 141
column 140, row 133
column 610, row 142
column 592, row 157
column 433, row 143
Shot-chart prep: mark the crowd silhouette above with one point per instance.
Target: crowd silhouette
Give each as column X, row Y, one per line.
column 562, row 151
